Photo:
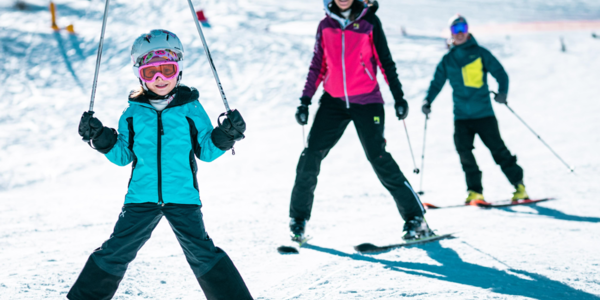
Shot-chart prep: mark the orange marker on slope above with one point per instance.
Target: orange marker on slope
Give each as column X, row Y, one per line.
column 53, row 13
column 69, row 28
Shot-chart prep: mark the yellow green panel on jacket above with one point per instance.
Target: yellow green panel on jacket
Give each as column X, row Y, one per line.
column 473, row 74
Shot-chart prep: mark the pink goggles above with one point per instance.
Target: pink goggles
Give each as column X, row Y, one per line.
column 166, row 70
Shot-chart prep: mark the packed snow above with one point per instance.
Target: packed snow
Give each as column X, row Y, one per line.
column 59, row 199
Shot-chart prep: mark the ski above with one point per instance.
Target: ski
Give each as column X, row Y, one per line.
column 484, row 204
column 293, row 249
column 370, row 248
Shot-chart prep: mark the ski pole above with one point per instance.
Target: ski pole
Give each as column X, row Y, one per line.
column 416, row 170
column 209, row 57
column 304, row 138
column 538, row 136
column 423, row 157
column 86, row 137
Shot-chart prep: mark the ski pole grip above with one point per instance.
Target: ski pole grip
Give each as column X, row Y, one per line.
column 86, row 135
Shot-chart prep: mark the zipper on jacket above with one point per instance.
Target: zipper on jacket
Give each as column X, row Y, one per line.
column 365, row 66
column 344, row 67
column 160, row 134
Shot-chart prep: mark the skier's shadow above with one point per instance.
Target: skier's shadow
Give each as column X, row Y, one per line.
column 553, row 213
column 454, row 269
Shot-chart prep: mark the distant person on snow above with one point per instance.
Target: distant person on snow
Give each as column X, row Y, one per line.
column 161, row 131
column 350, row 44
column 466, row 66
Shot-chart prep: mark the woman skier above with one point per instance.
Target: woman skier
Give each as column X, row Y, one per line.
column 350, row 44
column 160, row 132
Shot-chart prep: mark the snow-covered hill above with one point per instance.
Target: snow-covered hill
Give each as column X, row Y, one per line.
column 59, row 199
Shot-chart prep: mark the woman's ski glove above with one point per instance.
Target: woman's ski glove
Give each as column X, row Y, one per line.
column 426, row 108
column 401, row 107
column 500, row 98
column 302, row 114
column 97, row 136
column 229, row 131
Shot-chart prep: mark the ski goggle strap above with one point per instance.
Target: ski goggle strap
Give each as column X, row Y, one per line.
column 164, row 54
column 167, row 70
column 459, row 27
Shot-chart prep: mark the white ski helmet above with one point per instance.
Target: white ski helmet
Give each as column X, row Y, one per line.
column 456, row 19
column 156, row 39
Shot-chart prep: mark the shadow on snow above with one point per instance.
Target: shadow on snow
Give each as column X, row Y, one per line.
column 553, row 213
column 454, row 269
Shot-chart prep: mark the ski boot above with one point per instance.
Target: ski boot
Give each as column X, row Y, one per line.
column 416, row 228
column 474, row 198
column 520, row 193
column 297, row 227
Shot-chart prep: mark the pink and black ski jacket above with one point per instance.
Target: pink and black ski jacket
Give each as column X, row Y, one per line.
column 346, row 57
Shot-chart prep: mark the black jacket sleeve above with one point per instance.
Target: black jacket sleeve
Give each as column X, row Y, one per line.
column 386, row 62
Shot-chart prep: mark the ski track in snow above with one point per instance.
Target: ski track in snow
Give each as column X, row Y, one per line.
column 60, row 200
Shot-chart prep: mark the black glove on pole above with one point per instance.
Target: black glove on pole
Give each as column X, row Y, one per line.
column 426, row 108
column 100, row 137
column 401, row 107
column 302, row 114
column 500, row 98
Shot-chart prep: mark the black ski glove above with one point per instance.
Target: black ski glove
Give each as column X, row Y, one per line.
column 100, row 138
column 302, row 114
column 221, row 139
column 401, row 107
column 229, row 131
column 500, row 98
column 426, row 108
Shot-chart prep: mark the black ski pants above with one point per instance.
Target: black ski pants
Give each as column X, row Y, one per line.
column 212, row 267
column 331, row 120
column 487, row 129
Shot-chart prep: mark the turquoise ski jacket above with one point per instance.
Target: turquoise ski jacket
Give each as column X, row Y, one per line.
column 466, row 67
column 163, row 146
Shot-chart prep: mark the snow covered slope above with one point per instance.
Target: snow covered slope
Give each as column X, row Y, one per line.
column 59, row 199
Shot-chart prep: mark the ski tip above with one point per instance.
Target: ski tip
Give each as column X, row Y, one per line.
column 430, row 206
column 287, row 250
column 366, row 247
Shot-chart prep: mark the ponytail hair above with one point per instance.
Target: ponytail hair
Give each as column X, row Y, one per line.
column 137, row 93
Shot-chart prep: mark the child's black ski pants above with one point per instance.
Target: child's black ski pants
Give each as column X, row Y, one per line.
column 106, row 267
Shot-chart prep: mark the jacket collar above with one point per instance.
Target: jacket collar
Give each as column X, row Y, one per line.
column 183, row 95
column 469, row 43
column 345, row 22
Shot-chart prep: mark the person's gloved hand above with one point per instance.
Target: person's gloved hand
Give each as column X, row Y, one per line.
column 426, row 108
column 229, row 131
column 500, row 98
column 90, row 127
column 401, row 107
column 302, row 114
column 92, row 131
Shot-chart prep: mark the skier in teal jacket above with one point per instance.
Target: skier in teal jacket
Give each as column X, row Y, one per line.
column 161, row 133
column 466, row 66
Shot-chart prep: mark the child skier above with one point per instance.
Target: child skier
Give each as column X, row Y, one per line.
column 161, row 131
column 350, row 45
column 466, row 65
